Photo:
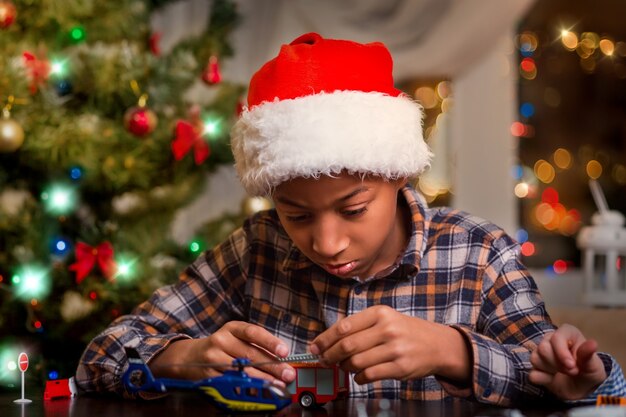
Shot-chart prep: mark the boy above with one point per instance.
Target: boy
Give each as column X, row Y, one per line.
column 418, row 303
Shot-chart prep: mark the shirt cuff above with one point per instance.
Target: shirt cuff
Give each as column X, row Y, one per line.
column 499, row 375
column 148, row 348
column 614, row 385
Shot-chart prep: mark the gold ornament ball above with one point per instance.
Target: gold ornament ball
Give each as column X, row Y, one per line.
column 11, row 135
column 251, row 205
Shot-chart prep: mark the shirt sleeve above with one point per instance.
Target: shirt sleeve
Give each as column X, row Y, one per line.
column 207, row 295
column 614, row 385
column 511, row 322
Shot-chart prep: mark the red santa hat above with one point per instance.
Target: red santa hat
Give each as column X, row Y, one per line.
column 323, row 106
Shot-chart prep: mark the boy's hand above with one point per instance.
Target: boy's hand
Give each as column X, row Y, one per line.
column 235, row 339
column 382, row 343
column 567, row 364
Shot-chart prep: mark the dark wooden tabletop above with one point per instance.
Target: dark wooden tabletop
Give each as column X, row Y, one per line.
column 191, row 405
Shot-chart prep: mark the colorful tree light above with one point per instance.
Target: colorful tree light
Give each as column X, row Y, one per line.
column 126, row 269
column 31, row 281
column 195, row 246
column 78, row 34
column 212, row 127
column 59, row 199
column 9, row 375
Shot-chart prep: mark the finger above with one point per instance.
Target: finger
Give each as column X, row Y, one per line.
column 376, row 373
column 540, row 378
column 370, row 357
column 545, row 359
column 257, row 373
column 564, row 341
column 252, row 333
column 344, row 327
column 352, row 345
column 238, row 348
column 585, row 353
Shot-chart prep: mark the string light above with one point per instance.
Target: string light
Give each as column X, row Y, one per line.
column 212, row 127
column 59, row 199
column 61, row 246
column 31, row 281
column 58, row 68
column 126, row 269
column 195, row 246
column 76, row 173
column 78, row 34
column 9, row 375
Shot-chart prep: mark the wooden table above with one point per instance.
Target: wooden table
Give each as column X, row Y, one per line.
column 192, row 404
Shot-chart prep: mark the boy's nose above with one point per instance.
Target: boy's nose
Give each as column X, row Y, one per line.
column 328, row 240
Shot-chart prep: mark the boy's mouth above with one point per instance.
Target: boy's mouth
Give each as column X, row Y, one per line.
column 340, row 269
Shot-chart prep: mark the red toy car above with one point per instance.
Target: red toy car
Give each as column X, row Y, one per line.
column 59, row 388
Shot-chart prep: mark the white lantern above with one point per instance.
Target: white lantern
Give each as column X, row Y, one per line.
column 604, row 255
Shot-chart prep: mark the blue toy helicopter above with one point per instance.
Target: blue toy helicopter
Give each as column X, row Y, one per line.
column 234, row 390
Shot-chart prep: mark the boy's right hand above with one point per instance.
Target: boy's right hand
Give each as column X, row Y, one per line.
column 236, row 339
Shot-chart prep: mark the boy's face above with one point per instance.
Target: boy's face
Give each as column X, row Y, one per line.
column 351, row 227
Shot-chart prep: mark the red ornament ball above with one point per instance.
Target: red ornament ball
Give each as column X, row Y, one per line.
column 211, row 74
column 140, row 121
column 8, row 13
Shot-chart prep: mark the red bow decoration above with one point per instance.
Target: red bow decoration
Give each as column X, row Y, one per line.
column 87, row 256
column 189, row 136
column 38, row 70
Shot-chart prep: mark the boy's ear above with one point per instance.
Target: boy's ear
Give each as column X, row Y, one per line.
column 400, row 182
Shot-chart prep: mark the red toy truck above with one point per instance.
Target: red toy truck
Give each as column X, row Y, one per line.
column 315, row 384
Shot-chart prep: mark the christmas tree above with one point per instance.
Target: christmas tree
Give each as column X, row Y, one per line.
column 98, row 149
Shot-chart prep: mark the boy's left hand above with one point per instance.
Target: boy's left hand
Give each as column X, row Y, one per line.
column 567, row 364
column 382, row 343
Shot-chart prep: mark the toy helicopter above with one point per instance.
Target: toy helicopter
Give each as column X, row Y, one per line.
column 235, row 390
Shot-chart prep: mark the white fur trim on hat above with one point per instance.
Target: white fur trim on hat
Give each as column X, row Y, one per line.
column 324, row 134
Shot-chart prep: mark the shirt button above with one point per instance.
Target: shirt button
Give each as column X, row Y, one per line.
column 286, row 318
column 358, row 290
column 487, row 392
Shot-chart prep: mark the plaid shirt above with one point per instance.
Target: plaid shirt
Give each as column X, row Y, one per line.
column 457, row 270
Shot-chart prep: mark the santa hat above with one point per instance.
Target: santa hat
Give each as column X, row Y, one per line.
column 323, row 106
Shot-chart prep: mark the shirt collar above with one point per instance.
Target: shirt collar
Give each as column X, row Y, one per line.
column 408, row 263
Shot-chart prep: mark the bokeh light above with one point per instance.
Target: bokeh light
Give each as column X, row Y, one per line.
column 559, row 266
column 619, row 174
column 594, row 169
column 521, row 190
column 9, row 374
column 569, row 39
column 607, row 47
column 528, row 248
column 59, row 199
column 212, row 127
column 562, row 158
column 544, row 171
column 521, row 235
column 427, row 97
column 444, row 89
column 527, row 110
column 31, row 281
column 126, row 268
column 550, row 196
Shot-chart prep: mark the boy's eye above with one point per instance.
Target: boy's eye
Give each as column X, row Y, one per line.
column 355, row 212
column 299, row 218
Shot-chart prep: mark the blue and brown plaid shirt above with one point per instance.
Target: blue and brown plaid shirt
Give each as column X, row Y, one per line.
column 457, row 270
